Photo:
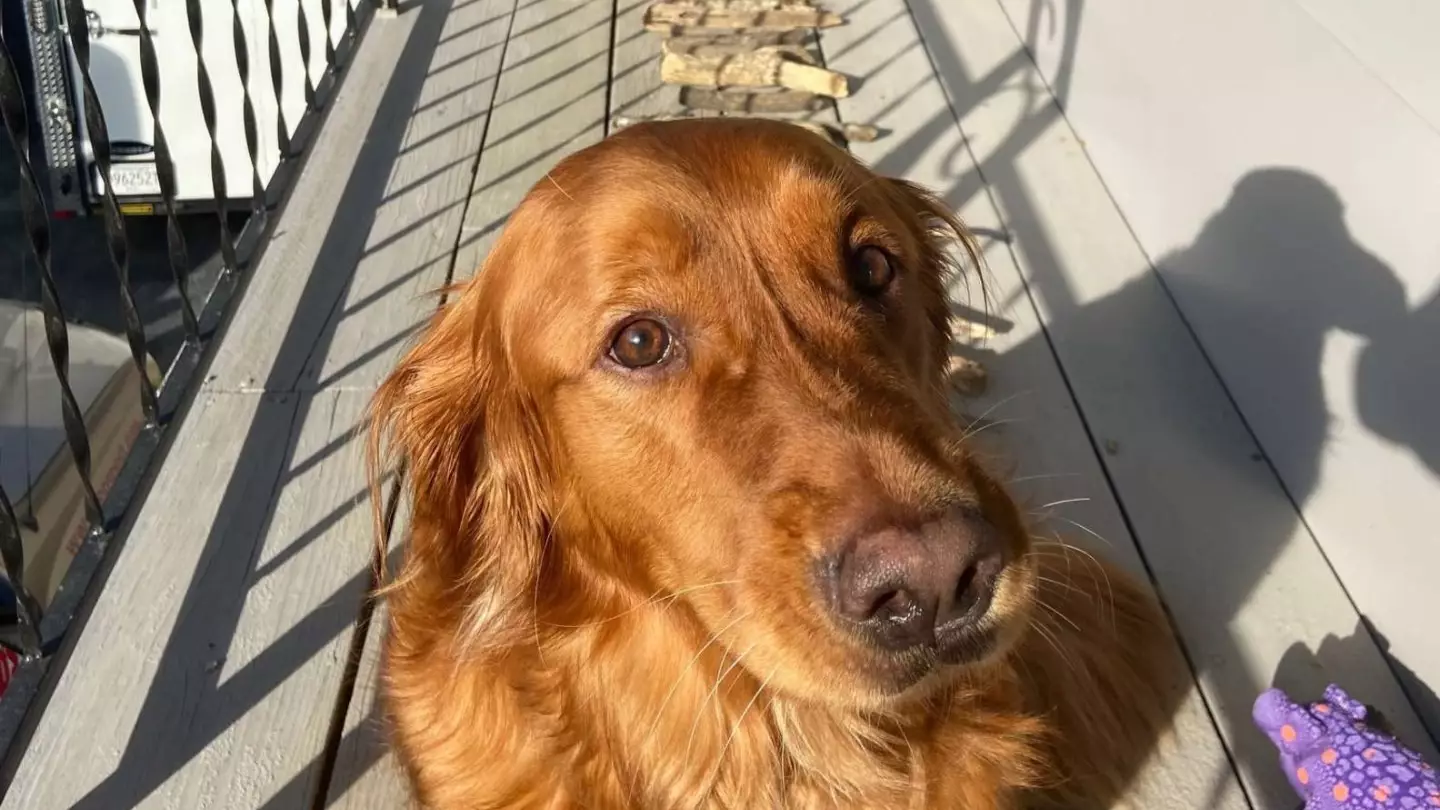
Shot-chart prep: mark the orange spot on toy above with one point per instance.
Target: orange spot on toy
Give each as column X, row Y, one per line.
column 1287, row 733
column 1381, row 794
column 1341, row 793
column 1303, row 775
column 1369, row 753
column 1329, row 756
column 1323, row 708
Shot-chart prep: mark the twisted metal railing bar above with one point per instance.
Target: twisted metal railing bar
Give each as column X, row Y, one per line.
column 116, row 242
column 327, row 19
column 228, row 260
column 277, row 81
column 165, row 172
column 38, row 632
column 252, row 126
column 302, row 22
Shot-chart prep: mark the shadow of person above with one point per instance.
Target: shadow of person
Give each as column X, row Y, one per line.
column 1266, row 281
column 1397, row 383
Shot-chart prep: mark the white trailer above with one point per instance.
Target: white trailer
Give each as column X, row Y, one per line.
column 266, row 29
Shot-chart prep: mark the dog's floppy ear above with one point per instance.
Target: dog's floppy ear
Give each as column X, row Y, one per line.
column 475, row 464
column 941, row 266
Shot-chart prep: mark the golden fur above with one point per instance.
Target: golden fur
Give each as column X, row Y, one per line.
column 607, row 598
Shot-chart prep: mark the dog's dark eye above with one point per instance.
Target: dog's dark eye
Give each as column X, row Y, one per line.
column 871, row 270
column 642, row 342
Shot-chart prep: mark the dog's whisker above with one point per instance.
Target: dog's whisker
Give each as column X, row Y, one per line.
column 1069, row 552
column 734, row 730
column 714, row 691
column 551, row 177
column 1056, row 582
column 980, row 425
column 1082, row 527
column 1045, row 606
column 714, row 637
column 1054, row 645
column 667, row 599
column 1063, row 502
column 1040, row 476
column 995, row 407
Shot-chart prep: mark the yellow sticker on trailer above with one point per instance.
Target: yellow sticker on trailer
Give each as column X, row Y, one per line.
column 138, row 209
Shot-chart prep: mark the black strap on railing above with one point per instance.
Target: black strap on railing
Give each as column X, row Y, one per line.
column 115, row 239
column 37, row 231
column 165, row 173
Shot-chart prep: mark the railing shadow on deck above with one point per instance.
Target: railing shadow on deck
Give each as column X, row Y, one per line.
column 44, row 639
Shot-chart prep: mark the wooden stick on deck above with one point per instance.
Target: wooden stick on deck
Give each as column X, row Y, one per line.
column 757, row 68
column 666, row 17
column 777, row 100
column 733, row 45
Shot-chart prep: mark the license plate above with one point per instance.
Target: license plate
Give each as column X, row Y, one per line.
column 131, row 180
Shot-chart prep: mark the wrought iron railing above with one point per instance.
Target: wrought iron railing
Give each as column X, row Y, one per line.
column 55, row 174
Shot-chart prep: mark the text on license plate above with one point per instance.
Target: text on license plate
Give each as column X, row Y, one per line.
column 133, row 179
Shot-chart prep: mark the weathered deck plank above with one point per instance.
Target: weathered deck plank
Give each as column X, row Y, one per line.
column 550, row 102
column 367, row 776
column 409, row 251
column 1252, row 595
column 635, row 89
column 208, row 671
column 1039, row 436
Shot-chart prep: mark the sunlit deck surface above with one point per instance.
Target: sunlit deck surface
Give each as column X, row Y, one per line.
column 230, row 658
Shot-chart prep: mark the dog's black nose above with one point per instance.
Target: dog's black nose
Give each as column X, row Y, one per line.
column 917, row 586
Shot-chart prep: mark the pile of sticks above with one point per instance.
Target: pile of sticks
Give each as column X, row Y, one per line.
column 750, row 57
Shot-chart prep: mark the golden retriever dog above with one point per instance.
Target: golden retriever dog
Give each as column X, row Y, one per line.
column 694, row 525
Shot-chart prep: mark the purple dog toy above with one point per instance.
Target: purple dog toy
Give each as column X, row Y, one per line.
column 1336, row 761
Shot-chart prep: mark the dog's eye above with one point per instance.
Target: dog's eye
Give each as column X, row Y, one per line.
column 640, row 343
column 871, row 270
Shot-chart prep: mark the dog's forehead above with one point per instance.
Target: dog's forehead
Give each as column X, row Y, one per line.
column 684, row 224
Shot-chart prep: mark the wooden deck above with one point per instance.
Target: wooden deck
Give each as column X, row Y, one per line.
column 229, row 660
